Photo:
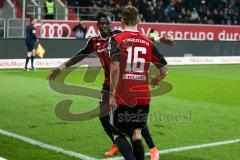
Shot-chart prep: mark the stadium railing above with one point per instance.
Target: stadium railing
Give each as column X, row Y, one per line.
column 9, row 10
column 2, row 28
column 16, row 28
column 33, row 9
column 65, row 12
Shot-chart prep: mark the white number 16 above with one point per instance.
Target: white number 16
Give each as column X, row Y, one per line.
column 132, row 62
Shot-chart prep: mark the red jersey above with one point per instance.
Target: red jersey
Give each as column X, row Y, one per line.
column 99, row 45
column 134, row 51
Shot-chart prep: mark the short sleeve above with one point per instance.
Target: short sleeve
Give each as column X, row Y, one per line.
column 157, row 58
column 89, row 47
column 114, row 50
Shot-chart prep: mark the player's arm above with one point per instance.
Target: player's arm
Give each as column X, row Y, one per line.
column 164, row 40
column 114, row 71
column 160, row 62
column 83, row 53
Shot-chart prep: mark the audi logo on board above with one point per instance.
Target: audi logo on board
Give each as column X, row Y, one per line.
column 54, row 30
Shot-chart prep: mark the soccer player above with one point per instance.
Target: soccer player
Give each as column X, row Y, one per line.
column 30, row 41
column 131, row 54
column 99, row 43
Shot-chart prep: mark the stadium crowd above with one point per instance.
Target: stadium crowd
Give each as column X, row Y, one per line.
column 172, row 11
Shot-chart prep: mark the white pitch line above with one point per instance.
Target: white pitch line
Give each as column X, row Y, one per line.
column 84, row 157
column 46, row 146
column 179, row 149
column 22, row 71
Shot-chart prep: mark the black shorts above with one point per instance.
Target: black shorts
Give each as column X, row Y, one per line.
column 30, row 46
column 104, row 101
column 104, row 98
column 125, row 120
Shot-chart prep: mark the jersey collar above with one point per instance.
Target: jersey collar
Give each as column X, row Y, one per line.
column 130, row 30
column 106, row 37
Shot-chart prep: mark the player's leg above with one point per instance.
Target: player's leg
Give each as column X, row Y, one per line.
column 124, row 147
column 120, row 128
column 32, row 58
column 107, row 128
column 138, row 148
column 154, row 155
column 105, row 124
column 141, row 114
column 147, row 137
column 104, row 119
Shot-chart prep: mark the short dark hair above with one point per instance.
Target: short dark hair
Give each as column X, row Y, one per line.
column 32, row 19
column 103, row 14
column 130, row 15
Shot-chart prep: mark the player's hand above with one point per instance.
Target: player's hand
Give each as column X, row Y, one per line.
column 112, row 102
column 154, row 81
column 54, row 74
column 168, row 42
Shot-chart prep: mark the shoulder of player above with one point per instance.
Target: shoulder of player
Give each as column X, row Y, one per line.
column 116, row 31
column 147, row 38
column 93, row 38
column 119, row 36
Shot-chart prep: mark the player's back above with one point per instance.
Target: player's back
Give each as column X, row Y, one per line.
column 135, row 56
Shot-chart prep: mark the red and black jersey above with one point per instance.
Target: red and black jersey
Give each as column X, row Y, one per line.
column 99, row 45
column 134, row 51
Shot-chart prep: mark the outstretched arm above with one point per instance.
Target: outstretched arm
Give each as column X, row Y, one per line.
column 167, row 41
column 83, row 53
column 164, row 40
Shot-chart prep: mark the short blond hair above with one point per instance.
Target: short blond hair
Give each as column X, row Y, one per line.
column 130, row 15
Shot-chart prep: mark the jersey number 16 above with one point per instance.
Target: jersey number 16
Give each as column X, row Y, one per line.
column 132, row 62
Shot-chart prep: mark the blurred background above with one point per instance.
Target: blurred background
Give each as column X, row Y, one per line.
column 211, row 26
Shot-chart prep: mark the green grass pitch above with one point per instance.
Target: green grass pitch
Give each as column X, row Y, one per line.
column 206, row 97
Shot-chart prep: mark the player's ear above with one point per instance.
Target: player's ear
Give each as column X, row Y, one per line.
column 110, row 25
column 138, row 19
column 122, row 22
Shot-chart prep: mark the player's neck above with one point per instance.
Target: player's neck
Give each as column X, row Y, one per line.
column 130, row 28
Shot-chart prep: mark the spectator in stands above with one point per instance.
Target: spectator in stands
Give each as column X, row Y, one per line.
column 176, row 11
column 50, row 9
column 160, row 12
column 80, row 31
column 194, row 16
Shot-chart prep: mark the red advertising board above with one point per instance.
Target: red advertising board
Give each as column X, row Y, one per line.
column 55, row 29
column 63, row 29
column 94, row 62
